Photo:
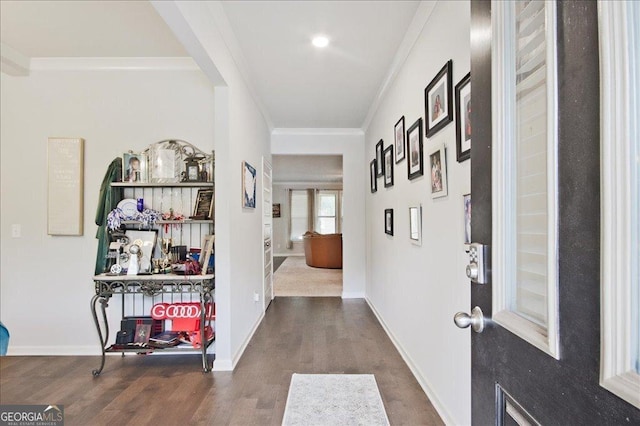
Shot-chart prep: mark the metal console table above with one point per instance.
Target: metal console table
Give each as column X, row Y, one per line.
column 150, row 285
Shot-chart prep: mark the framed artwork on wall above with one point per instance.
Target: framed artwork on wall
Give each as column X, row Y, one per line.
column 388, row 166
column 415, row 224
column 463, row 119
column 379, row 163
column 275, row 210
column 248, row 186
column 373, row 173
column 438, row 101
column 399, row 134
column 438, row 165
column 388, row 221
column 415, row 164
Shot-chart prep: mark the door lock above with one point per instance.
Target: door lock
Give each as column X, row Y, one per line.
column 477, row 269
column 475, row 320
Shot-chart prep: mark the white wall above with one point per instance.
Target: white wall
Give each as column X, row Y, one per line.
column 46, row 281
column 241, row 134
column 417, row 290
column 348, row 143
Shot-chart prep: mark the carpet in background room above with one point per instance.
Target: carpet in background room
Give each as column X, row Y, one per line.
column 295, row 278
column 277, row 261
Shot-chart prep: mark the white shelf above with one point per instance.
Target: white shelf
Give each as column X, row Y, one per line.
column 162, row 185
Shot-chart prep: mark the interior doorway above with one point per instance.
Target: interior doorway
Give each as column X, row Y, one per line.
column 307, row 225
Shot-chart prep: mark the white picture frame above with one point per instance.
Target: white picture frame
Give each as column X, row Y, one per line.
column 438, row 172
column 415, row 224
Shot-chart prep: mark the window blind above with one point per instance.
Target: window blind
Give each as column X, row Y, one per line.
column 529, row 298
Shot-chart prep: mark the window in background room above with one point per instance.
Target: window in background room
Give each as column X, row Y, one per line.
column 329, row 212
column 299, row 218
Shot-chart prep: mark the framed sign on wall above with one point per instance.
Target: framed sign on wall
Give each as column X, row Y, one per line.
column 65, row 186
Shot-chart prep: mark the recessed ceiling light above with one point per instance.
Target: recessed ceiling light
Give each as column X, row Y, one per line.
column 320, row 41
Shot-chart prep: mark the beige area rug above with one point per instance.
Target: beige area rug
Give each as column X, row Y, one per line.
column 295, row 278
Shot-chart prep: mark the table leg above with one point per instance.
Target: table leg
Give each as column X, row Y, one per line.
column 104, row 303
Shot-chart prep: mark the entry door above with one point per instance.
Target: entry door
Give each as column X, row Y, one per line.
column 267, row 222
column 513, row 381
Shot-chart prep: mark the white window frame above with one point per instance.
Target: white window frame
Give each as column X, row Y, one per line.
column 503, row 178
column 337, row 193
column 620, row 150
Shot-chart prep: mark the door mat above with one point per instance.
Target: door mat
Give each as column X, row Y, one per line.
column 334, row 399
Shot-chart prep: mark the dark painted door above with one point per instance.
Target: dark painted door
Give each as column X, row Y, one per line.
column 565, row 391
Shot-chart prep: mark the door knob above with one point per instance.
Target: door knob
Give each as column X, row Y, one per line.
column 475, row 320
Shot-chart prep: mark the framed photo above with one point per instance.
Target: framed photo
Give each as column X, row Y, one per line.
column 379, row 164
column 146, row 240
column 206, row 252
column 275, row 210
column 134, row 167
column 466, row 202
column 438, row 102
column 415, row 224
column 373, row 172
column 165, row 162
column 398, row 132
column 415, row 164
column 388, row 166
column 388, row 221
column 438, row 164
column 248, row 186
column 463, row 119
column 204, row 205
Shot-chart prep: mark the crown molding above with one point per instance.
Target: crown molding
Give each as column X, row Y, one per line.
column 425, row 9
column 100, row 64
column 317, row 131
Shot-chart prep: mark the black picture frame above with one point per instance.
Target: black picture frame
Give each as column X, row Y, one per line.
column 415, row 162
column 399, row 140
column 379, row 163
column 463, row 119
column 438, row 101
column 373, row 174
column 203, row 209
column 387, row 156
column 388, row 221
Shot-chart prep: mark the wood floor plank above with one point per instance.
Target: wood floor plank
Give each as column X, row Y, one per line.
column 297, row 335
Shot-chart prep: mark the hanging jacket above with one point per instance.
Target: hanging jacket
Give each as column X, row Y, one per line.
column 107, row 201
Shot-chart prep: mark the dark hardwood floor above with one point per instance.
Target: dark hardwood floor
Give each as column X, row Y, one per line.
column 298, row 335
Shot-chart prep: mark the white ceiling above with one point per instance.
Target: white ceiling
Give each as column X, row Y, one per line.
column 307, row 168
column 299, row 85
column 86, row 29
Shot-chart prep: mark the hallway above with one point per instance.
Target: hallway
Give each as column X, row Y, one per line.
column 297, row 335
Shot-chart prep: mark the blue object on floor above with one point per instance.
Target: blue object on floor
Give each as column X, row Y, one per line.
column 4, row 339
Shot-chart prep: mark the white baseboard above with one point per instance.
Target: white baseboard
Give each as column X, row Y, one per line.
column 226, row 365
column 288, row 254
column 54, row 350
column 424, row 383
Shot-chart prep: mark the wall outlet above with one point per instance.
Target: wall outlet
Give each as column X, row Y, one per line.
column 256, row 297
column 16, row 231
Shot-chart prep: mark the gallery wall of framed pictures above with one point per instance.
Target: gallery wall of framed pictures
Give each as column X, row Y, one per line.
column 442, row 105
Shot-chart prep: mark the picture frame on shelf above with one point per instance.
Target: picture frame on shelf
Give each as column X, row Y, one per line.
column 249, row 182
column 415, row 224
column 165, row 161
column 146, row 240
column 203, row 209
column 275, row 210
column 373, row 174
column 438, row 167
column 388, row 166
column 379, row 163
column 415, row 163
column 438, row 100
column 399, row 142
column 463, row 119
column 388, row 221
column 205, row 253
column 466, row 205
column 134, row 167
